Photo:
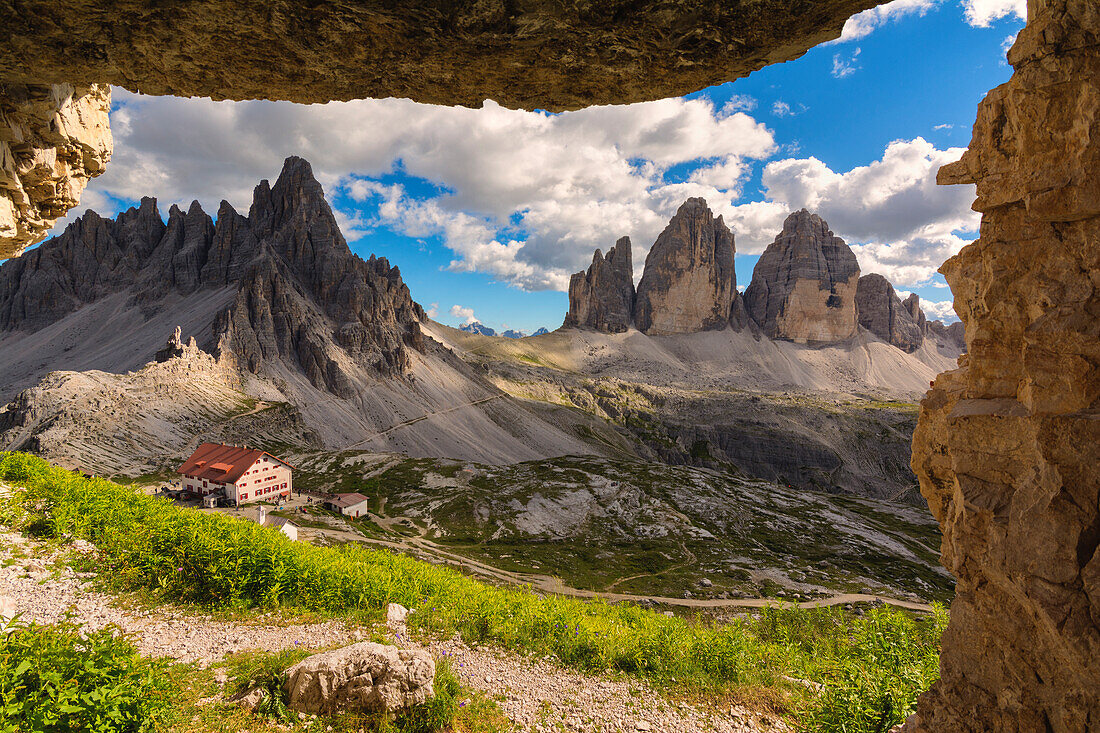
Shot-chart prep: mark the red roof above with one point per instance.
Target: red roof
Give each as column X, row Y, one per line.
column 222, row 463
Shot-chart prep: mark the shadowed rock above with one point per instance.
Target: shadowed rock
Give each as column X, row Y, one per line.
column 882, row 313
column 535, row 54
column 603, row 297
column 301, row 296
column 804, row 285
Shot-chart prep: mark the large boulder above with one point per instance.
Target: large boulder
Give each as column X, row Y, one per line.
column 603, row 297
column 882, row 312
column 804, row 285
column 365, row 677
column 689, row 283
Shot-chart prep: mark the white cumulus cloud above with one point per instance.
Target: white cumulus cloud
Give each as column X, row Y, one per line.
column 864, row 24
column 525, row 196
column 466, row 315
column 845, row 66
column 898, row 221
column 982, row 13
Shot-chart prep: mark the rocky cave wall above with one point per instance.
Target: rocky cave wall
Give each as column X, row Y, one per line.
column 53, row 139
column 1007, row 448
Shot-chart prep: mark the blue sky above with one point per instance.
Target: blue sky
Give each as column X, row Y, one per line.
column 488, row 211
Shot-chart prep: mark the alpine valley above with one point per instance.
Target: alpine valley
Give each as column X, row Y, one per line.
column 676, row 439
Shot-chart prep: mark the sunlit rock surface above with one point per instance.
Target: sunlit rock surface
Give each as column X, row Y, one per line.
column 1007, row 446
column 53, row 139
column 689, row 282
column 803, row 287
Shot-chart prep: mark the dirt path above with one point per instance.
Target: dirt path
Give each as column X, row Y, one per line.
column 415, row 420
column 194, row 442
column 674, row 568
column 537, row 695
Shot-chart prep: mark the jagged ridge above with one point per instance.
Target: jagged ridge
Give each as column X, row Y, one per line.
column 300, row 292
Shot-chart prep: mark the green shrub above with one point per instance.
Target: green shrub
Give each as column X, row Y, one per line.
column 53, row 679
column 871, row 668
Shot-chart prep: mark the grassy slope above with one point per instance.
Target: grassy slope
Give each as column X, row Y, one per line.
column 871, row 668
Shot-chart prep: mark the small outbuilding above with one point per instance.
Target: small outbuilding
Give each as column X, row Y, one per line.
column 350, row 505
column 282, row 524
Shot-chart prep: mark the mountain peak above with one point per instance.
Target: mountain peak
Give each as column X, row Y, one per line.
column 689, row 282
column 804, row 285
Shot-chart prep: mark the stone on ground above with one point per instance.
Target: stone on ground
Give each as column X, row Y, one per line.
column 366, row 677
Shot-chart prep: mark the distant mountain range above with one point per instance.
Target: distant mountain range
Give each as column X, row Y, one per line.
column 806, row 288
column 483, row 330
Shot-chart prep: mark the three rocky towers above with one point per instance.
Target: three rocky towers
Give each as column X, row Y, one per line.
column 805, row 288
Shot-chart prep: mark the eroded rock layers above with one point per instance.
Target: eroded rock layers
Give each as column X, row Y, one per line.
column 301, row 295
column 1006, row 446
column 882, row 313
column 535, row 54
column 804, row 285
column 603, row 297
column 53, row 139
column 689, row 282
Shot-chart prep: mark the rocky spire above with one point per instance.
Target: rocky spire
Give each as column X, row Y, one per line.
column 603, row 297
column 804, row 285
column 302, row 297
column 882, row 313
column 689, row 283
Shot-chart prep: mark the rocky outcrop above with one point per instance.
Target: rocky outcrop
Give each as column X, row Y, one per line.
column 1006, row 446
column 539, row 54
column 954, row 334
column 53, row 139
column 301, row 296
column 172, row 349
column 689, row 282
column 603, row 298
column 882, row 312
column 363, row 677
column 912, row 307
column 803, row 287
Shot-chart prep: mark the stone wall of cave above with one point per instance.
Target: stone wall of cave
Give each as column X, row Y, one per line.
column 1007, row 447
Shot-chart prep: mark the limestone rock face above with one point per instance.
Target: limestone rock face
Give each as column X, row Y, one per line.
column 535, row 54
column 689, row 283
column 172, row 349
column 803, row 287
column 365, row 677
column 603, row 297
column 53, row 139
column 301, row 296
column 1006, row 446
column 882, row 313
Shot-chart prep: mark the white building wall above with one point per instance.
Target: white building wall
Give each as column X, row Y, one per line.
column 266, row 479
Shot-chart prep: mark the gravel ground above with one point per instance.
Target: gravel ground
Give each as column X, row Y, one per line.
column 538, row 696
